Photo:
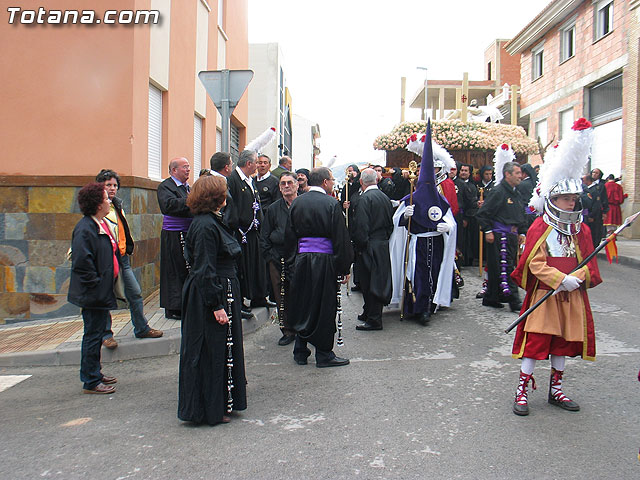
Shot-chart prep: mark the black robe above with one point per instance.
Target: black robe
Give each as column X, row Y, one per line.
column 505, row 206
column 173, row 269
column 253, row 274
column 314, row 280
column 468, row 203
column 202, row 388
column 599, row 205
column 272, row 246
column 373, row 228
column 268, row 190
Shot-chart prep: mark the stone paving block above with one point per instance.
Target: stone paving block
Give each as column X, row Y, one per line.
column 51, row 199
column 138, row 201
column 64, row 225
column 40, row 280
column 14, row 199
column 40, row 226
column 14, row 252
column 152, row 202
column 14, row 305
column 15, row 226
column 43, row 305
column 135, row 226
column 48, row 252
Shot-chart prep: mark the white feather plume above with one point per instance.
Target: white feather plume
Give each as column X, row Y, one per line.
column 439, row 152
column 567, row 161
column 258, row 143
column 504, row 153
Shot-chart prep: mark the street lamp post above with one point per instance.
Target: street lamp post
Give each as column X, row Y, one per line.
column 425, row 91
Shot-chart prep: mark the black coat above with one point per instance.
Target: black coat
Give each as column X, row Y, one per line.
column 373, row 228
column 91, row 283
column 273, row 231
column 268, row 190
column 504, row 205
column 173, row 199
column 117, row 205
column 243, row 199
column 314, row 283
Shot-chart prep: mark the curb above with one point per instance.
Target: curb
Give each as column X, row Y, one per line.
column 622, row 260
column 129, row 348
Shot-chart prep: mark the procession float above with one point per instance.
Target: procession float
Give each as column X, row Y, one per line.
column 472, row 143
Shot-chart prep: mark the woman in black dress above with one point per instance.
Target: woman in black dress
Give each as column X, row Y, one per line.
column 212, row 380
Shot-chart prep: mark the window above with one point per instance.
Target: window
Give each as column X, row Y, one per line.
column 567, row 42
column 603, row 19
column 234, row 144
column 197, row 146
column 605, row 100
column 154, row 142
column 537, row 62
column 566, row 122
column 541, row 131
column 489, row 71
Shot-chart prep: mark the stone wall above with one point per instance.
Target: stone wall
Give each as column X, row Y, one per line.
column 37, row 217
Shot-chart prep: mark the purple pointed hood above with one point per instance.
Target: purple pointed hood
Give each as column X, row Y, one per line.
column 430, row 206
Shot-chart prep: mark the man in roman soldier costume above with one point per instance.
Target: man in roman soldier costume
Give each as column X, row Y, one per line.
column 556, row 242
column 422, row 277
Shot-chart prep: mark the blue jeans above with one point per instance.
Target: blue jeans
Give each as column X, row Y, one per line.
column 133, row 293
column 95, row 322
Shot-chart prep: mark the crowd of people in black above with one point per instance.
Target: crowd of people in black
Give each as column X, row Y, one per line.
column 244, row 236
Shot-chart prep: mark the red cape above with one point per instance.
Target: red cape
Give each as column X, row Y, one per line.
column 536, row 235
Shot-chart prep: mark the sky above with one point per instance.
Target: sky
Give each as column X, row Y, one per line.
column 343, row 59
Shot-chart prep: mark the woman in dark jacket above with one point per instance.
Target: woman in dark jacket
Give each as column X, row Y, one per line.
column 212, row 380
column 94, row 268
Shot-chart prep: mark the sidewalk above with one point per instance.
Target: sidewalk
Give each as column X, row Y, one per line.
column 57, row 341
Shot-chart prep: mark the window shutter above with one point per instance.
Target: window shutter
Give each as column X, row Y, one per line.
column 154, row 161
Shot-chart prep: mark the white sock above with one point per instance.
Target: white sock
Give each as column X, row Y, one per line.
column 528, row 364
column 557, row 362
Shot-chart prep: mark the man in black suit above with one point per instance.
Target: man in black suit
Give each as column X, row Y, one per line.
column 373, row 228
column 172, row 199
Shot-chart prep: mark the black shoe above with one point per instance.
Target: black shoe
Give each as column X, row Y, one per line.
column 424, row 318
column 356, row 288
column 522, row 410
column 515, row 306
column 491, row 303
column 271, row 304
column 480, row 294
column 286, row 340
column 362, row 318
column 366, row 326
column 246, row 314
column 334, row 362
column 568, row 405
column 300, row 361
column 173, row 314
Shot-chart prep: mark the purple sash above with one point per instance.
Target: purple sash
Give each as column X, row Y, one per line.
column 315, row 245
column 505, row 229
column 176, row 224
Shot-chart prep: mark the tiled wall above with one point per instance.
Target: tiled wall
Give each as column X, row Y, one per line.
column 36, row 222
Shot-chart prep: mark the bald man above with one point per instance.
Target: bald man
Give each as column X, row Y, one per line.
column 172, row 198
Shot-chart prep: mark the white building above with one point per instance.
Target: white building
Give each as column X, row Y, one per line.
column 269, row 99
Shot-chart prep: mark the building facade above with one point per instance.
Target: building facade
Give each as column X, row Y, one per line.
column 580, row 59
column 79, row 98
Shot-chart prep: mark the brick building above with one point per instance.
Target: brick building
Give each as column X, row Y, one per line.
column 77, row 98
column 580, row 59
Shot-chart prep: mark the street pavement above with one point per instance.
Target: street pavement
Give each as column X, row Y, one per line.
column 416, row 402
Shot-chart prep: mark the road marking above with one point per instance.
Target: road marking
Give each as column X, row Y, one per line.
column 8, row 381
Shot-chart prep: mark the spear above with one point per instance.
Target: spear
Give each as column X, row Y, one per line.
column 628, row 221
